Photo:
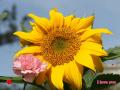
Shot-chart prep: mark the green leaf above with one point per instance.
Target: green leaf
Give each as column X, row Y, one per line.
column 88, row 78
column 113, row 53
column 102, row 81
column 25, row 26
column 66, row 86
column 3, row 15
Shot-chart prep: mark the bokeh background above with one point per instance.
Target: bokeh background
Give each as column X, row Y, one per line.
column 13, row 17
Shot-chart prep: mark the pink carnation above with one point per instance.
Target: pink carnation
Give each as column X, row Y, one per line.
column 28, row 66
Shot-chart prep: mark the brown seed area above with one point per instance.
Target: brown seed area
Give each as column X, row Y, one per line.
column 60, row 45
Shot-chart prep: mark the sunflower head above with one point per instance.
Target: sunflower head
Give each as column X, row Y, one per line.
column 60, row 46
column 67, row 43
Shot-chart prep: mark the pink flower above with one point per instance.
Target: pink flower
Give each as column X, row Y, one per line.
column 28, row 66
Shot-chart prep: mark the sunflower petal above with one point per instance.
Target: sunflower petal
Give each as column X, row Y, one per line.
column 67, row 20
column 93, row 52
column 91, row 32
column 85, row 60
column 23, row 43
column 29, row 49
column 56, row 18
column 98, row 63
column 57, row 74
column 41, row 22
column 73, row 75
column 84, row 23
column 30, row 41
column 34, row 36
column 74, row 23
column 48, row 74
column 94, row 48
column 95, row 38
column 40, row 78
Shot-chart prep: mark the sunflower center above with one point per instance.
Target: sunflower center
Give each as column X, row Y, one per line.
column 60, row 46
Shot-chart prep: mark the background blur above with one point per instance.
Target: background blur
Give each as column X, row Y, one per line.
column 13, row 17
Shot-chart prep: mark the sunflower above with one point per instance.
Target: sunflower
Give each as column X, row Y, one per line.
column 67, row 43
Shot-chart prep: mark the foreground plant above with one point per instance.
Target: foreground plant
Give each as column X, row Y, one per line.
column 67, row 43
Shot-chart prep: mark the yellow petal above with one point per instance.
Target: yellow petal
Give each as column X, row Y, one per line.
column 38, row 30
column 56, row 18
column 84, row 23
column 93, row 47
column 57, row 74
column 40, row 78
column 43, row 23
column 95, row 38
column 29, row 50
column 90, row 27
column 67, row 20
column 23, row 43
column 73, row 75
column 93, row 52
column 48, row 74
column 98, row 63
column 74, row 23
column 91, row 32
column 85, row 60
column 34, row 36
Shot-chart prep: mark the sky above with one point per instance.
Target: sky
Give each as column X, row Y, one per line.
column 106, row 13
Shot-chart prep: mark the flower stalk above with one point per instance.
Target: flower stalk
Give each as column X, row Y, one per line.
column 19, row 80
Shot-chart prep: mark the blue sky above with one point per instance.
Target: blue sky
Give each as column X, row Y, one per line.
column 107, row 14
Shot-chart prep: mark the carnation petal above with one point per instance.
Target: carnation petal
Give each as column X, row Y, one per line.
column 29, row 77
column 30, row 67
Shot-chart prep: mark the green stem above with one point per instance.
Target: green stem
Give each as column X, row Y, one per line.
column 14, row 79
column 3, row 79
column 25, row 84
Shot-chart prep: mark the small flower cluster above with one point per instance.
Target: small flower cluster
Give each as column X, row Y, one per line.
column 28, row 66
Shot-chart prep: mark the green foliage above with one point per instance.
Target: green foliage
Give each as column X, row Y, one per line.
column 112, row 53
column 25, row 26
column 88, row 77
column 31, row 87
column 104, row 81
column 3, row 15
column 14, row 79
column 66, row 86
column 8, row 20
